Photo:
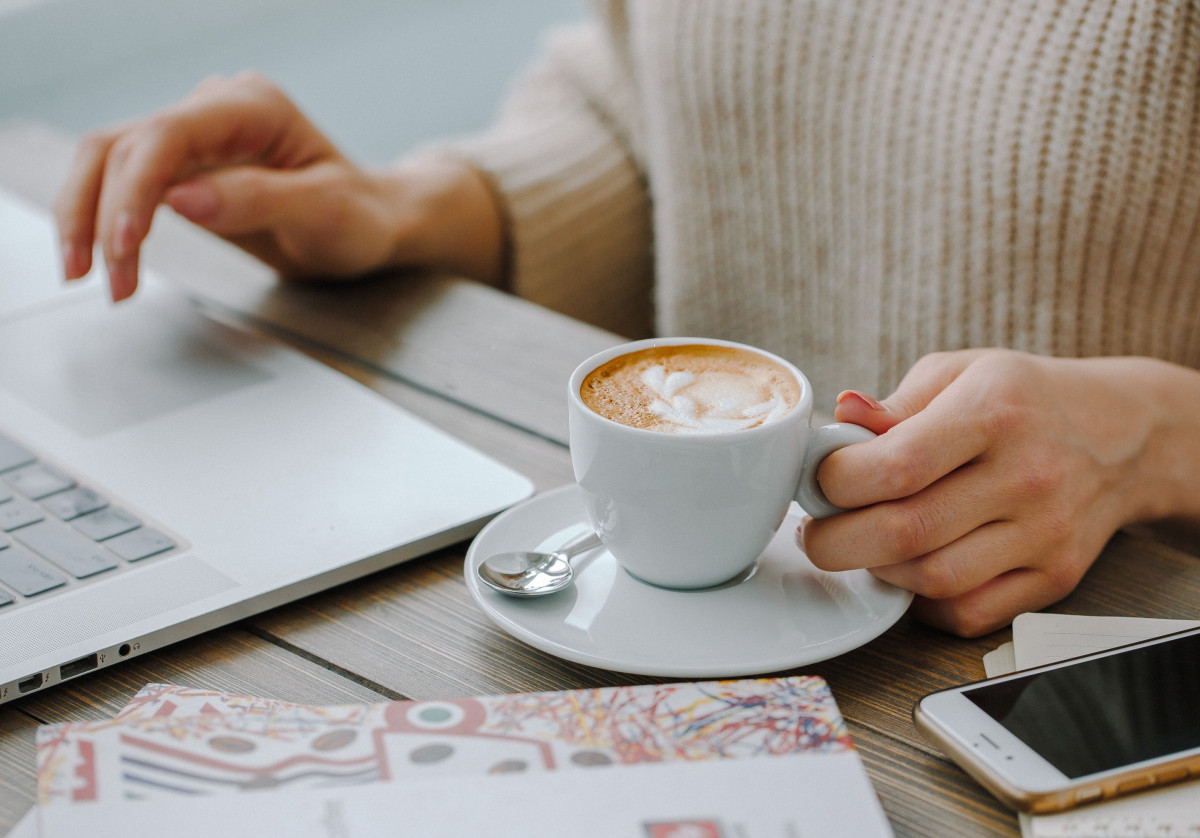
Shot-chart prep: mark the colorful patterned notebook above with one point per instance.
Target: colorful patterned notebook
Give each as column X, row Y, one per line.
column 171, row 741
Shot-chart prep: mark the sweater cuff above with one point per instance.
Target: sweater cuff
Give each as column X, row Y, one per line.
column 577, row 211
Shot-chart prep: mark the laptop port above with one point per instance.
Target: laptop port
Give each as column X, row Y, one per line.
column 70, row 670
column 29, row 684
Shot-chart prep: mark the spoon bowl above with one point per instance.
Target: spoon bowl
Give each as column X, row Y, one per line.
column 530, row 573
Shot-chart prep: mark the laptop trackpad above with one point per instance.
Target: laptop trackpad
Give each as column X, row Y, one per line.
column 97, row 367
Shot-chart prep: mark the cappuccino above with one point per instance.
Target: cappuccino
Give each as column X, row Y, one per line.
column 691, row 389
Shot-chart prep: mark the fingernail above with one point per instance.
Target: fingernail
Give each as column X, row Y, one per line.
column 124, row 238
column 122, row 278
column 804, row 521
column 194, row 200
column 862, row 397
column 72, row 263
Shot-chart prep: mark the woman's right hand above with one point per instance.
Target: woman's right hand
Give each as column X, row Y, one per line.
column 239, row 158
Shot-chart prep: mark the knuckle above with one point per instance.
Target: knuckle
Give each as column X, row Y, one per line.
column 905, row 530
column 969, row 621
column 255, row 84
column 1061, row 577
column 900, row 472
column 1041, row 476
column 96, row 143
column 122, row 148
column 935, row 361
column 211, row 85
column 936, row 578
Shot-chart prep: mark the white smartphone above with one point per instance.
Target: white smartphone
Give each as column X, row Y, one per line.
column 1075, row 732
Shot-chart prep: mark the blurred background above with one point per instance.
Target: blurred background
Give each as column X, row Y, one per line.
column 379, row 76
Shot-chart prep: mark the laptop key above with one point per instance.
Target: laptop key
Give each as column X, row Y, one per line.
column 6, row 599
column 106, row 523
column 18, row 513
column 13, row 454
column 74, row 502
column 74, row 553
column 39, row 480
column 139, row 544
column 26, row 574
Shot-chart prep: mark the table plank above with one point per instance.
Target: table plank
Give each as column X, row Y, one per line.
column 17, row 766
column 924, row 795
column 230, row 660
column 368, row 627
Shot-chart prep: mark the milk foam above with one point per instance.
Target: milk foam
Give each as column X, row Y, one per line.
column 712, row 402
column 691, row 389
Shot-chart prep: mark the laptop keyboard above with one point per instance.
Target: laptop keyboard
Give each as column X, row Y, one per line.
column 55, row 532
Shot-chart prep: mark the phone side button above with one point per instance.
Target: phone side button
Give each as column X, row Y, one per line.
column 1171, row 776
column 1134, row 785
column 1088, row 795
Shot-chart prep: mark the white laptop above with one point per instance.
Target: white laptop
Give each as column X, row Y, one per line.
column 163, row 473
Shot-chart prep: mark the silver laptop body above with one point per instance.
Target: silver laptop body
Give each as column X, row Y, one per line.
column 163, row 473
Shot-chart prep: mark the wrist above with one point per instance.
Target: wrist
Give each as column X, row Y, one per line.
column 1161, row 401
column 444, row 215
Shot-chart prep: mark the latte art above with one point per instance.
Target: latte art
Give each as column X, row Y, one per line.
column 691, row 389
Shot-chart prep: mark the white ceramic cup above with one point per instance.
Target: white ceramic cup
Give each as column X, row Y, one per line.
column 691, row 511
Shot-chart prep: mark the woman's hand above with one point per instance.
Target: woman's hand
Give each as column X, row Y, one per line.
column 999, row 477
column 239, row 158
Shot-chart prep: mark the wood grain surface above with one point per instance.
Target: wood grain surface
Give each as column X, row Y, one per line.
column 490, row 369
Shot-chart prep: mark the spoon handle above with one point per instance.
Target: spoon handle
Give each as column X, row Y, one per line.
column 580, row 544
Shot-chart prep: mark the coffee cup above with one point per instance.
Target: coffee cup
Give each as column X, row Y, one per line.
column 689, row 451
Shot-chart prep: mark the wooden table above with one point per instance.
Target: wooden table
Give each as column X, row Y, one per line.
column 490, row 369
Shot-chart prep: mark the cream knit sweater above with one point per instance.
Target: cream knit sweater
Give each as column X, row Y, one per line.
column 853, row 184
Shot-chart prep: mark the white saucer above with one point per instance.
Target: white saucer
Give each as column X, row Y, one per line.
column 787, row 614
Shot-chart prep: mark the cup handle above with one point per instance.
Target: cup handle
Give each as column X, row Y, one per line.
column 821, row 443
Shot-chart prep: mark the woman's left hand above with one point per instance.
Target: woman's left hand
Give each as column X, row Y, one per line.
column 999, row 476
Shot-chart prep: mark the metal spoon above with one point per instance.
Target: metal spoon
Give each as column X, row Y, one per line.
column 529, row 573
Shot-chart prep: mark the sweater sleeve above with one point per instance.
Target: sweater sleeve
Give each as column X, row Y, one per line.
column 561, row 158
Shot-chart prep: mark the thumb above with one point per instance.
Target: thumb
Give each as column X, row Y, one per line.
column 239, row 200
column 927, row 378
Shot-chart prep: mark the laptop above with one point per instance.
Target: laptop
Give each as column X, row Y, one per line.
column 163, row 472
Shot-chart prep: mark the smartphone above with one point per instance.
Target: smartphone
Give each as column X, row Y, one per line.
column 1079, row 731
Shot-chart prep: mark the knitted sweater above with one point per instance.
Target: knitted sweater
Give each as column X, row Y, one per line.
column 853, row 184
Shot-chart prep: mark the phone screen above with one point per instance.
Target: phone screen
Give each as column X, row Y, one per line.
column 1104, row 713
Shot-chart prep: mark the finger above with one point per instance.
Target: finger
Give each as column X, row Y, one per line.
column 251, row 123
column 248, row 199
column 942, row 434
column 962, row 565
column 896, row 532
column 858, row 408
column 990, row 606
column 931, row 375
column 76, row 204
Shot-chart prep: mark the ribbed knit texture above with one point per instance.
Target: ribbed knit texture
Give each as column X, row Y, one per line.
column 854, row 184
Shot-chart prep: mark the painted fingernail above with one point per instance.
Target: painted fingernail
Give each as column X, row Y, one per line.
column 870, row 402
column 800, row 531
column 124, row 237
column 122, row 278
column 72, row 261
